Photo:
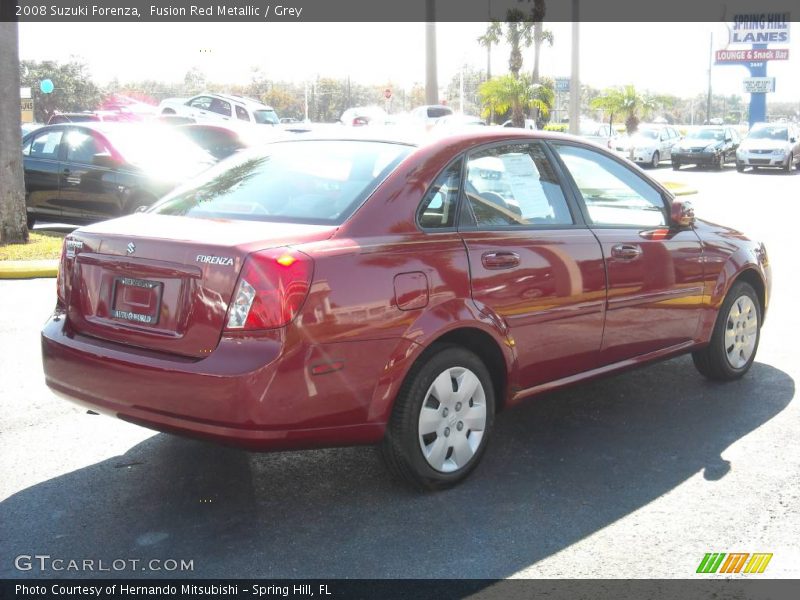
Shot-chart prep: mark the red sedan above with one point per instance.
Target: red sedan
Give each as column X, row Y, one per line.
column 368, row 290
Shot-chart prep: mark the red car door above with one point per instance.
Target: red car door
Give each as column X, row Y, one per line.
column 535, row 267
column 655, row 272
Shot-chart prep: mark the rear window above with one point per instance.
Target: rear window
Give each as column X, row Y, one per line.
column 434, row 112
column 314, row 181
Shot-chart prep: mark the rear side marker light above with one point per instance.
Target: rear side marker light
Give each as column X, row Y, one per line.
column 271, row 290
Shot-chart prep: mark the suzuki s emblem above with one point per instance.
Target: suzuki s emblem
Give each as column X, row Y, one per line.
column 131, row 248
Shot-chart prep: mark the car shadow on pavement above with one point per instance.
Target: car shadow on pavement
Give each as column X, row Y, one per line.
column 559, row 468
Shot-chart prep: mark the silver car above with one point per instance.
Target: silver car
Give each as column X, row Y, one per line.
column 649, row 145
column 775, row 145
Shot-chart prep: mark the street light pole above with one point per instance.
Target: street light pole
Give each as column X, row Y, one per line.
column 574, row 82
column 708, row 101
column 431, row 84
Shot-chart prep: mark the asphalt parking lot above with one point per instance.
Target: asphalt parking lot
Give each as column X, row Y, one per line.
column 638, row 475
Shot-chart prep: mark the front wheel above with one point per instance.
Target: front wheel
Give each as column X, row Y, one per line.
column 655, row 160
column 30, row 219
column 788, row 167
column 719, row 163
column 676, row 165
column 739, row 167
column 734, row 341
column 441, row 420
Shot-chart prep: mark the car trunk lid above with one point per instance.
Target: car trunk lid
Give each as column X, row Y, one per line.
column 164, row 282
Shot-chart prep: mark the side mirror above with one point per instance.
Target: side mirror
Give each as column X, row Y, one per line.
column 105, row 160
column 682, row 213
column 793, row 140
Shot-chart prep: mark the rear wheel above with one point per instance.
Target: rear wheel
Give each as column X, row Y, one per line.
column 676, row 165
column 441, row 420
column 31, row 220
column 788, row 167
column 655, row 160
column 719, row 163
column 168, row 111
column 739, row 167
column 734, row 341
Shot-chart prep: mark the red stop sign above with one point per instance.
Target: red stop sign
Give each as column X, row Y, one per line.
column 387, row 93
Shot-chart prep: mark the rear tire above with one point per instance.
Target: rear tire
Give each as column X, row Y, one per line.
column 676, row 165
column 168, row 111
column 30, row 218
column 441, row 420
column 788, row 167
column 734, row 341
column 740, row 167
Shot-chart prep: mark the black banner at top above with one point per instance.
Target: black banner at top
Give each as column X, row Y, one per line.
column 391, row 10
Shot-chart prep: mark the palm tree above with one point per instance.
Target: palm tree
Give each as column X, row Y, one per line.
column 519, row 34
column 626, row 101
column 518, row 94
column 489, row 39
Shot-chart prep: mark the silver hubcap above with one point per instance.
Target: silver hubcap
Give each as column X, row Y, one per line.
column 452, row 419
column 741, row 331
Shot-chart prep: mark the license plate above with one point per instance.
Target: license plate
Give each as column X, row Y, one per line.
column 136, row 300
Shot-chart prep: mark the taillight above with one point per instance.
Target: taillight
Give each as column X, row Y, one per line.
column 271, row 289
column 61, row 278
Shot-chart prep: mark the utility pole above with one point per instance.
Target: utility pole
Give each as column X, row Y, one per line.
column 575, row 82
column 13, row 228
column 431, row 83
column 708, row 101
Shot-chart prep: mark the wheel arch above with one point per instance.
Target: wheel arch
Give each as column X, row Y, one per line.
column 482, row 338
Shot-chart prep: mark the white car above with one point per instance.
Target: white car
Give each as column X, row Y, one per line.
column 427, row 115
column 649, row 145
column 529, row 124
column 775, row 145
column 219, row 107
column 360, row 116
column 457, row 121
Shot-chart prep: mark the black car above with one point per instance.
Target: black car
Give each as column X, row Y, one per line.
column 87, row 172
column 710, row 145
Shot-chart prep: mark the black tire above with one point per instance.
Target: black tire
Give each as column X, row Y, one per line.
column 655, row 160
column 788, row 167
column 712, row 361
column 740, row 167
column 719, row 163
column 31, row 220
column 168, row 111
column 676, row 165
column 401, row 447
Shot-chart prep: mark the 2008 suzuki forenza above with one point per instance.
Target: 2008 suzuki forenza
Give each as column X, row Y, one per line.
column 368, row 290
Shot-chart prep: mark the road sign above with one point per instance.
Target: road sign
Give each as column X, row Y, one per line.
column 751, row 55
column 763, row 28
column 562, row 84
column 758, row 85
column 46, row 85
column 26, row 105
column 387, row 93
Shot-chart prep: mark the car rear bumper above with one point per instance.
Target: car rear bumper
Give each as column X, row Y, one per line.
column 249, row 392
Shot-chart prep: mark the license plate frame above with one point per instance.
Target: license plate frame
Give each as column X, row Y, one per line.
column 149, row 318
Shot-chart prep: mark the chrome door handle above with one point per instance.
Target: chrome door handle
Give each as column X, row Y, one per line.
column 500, row 260
column 626, row 251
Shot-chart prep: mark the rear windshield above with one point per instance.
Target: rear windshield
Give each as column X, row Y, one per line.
column 266, row 117
column 707, row 134
column 309, row 181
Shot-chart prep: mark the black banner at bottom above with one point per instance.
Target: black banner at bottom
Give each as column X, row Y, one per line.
column 390, row 589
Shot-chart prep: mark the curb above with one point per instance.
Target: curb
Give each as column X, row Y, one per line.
column 28, row 269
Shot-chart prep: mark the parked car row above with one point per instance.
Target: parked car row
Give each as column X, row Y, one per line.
column 500, row 263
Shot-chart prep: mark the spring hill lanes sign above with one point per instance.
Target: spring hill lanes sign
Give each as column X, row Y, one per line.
column 751, row 55
column 762, row 28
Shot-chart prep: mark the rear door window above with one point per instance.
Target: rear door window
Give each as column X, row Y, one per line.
column 438, row 207
column 47, row 144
